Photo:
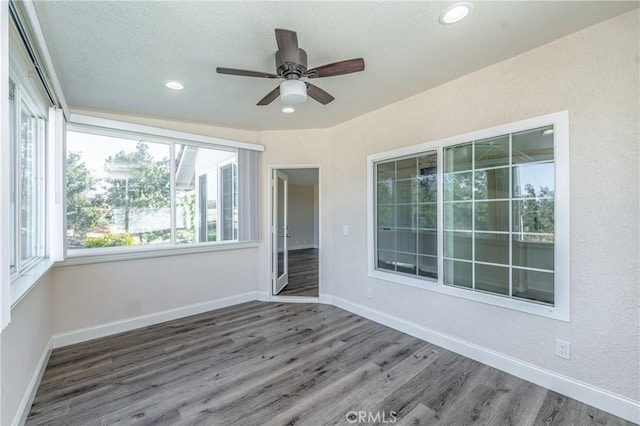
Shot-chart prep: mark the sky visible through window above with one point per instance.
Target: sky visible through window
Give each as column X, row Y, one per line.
column 94, row 149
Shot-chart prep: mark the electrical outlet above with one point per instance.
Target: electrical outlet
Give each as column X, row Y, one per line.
column 563, row 349
column 345, row 230
column 369, row 293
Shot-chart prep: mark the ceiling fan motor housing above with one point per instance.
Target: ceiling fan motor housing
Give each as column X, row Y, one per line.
column 291, row 70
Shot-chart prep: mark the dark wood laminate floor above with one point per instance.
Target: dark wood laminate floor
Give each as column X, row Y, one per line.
column 303, row 273
column 265, row 363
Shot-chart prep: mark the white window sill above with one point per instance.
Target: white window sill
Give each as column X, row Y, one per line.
column 25, row 282
column 553, row 312
column 115, row 254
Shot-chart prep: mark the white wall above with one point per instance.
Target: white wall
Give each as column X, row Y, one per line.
column 95, row 294
column 22, row 344
column 594, row 75
column 301, row 215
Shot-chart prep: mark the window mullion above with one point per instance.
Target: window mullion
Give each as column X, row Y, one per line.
column 416, row 216
column 440, row 212
column 473, row 216
column 395, row 216
column 510, row 215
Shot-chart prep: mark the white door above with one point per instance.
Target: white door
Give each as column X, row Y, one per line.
column 280, row 231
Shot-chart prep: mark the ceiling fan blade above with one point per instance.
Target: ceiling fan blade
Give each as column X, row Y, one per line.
column 337, row 68
column 244, row 73
column 318, row 94
column 271, row 96
column 288, row 45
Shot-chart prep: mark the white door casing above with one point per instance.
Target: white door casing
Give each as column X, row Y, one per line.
column 280, row 231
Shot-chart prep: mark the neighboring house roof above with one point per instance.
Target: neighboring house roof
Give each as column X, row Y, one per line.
column 186, row 168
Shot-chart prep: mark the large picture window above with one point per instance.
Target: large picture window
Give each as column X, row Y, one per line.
column 499, row 215
column 482, row 216
column 128, row 190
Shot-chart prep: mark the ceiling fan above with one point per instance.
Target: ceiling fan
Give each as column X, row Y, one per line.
column 291, row 64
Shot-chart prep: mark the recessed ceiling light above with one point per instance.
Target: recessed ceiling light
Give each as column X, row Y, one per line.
column 288, row 110
column 174, row 85
column 455, row 13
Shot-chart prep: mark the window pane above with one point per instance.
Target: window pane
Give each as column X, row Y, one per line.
column 427, row 216
column 386, row 172
column 406, row 263
column 533, row 252
column 458, row 158
column 492, row 183
column 406, row 215
column 458, row 245
column 427, row 242
column 533, row 145
column 457, row 186
column 407, row 191
column 492, row 216
column 118, row 192
column 533, row 180
column 533, row 216
column 457, row 216
column 494, row 279
column 28, row 186
column 492, row 152
column 406, row 169
column 533, row 285
column 428, row 266
column 387, row 239
column 492, row 248
column 406, row 202
column 185, row 216
column 386, row 260
column 457, row 273
column 427, row 189
column 509, row 221
column 387, row 215
column 386, row 192
column 406, row 240
column 208, row 178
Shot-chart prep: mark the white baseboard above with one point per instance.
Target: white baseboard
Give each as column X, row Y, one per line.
column 293, row 299
column 263, row 296
column 32, row 388
column 326, row 299
column 591, row 395
column 102, row 330
column 302, row 247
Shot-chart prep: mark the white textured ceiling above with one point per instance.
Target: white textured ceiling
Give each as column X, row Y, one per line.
column 114, row 56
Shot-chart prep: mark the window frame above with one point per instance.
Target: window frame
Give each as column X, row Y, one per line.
column 23, row 98
column 561, row 308
column 233, row 164
column 111, row 128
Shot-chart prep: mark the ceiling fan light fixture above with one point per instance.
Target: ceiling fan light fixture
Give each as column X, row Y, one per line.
column 293, row 92
column 174, row 85
column 288, row 110
column 455, row 13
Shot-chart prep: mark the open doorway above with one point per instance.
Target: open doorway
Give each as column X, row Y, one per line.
column 295, row 232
